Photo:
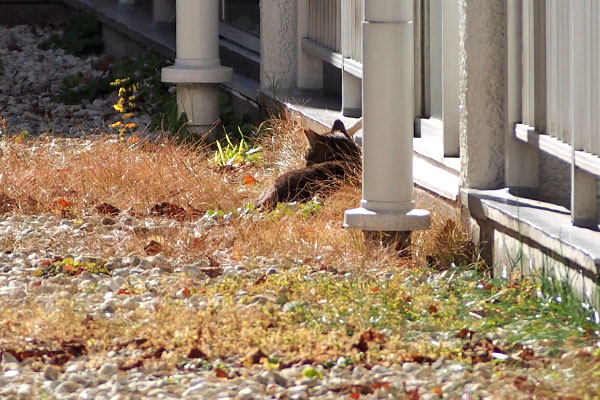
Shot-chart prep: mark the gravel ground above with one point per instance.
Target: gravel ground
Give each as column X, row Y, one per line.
column 29, row 81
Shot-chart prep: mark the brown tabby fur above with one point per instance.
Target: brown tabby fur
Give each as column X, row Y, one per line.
column 331, row 158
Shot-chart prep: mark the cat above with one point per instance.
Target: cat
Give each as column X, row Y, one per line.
column 331, row 158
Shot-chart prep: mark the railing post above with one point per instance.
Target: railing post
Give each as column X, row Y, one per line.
column 450, row 80
column 310, row 69
column 583, row 184
column 521, row 161
column 197, row 70
column 388, row 101
column 351, row 85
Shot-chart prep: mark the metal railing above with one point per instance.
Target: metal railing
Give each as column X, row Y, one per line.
column 336, row 25
column 325, row 23
column 560, row 106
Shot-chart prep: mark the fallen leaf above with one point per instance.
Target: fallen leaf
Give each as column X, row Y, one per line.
column 384, row 385
column 107, row 209
column 153, row 248
column 249, row 180
column 133, row 139
column 197, row 353
column 7, row 204
column 419, row 359
column 355, row 395
column 131, row 364
column 433, row 309
column 367, row 337
column 63, row 203
column 261, row 279
column 527, row 354
column 221, row 373
column 438, row 390
column 463, row 333
column 169, row 210
column 256, row 357
column 186, row 291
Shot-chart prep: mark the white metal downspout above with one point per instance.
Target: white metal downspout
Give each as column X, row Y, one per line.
column 198, row 70
column 388, row 108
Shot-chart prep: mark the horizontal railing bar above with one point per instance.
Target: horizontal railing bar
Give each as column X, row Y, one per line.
column 555, row 147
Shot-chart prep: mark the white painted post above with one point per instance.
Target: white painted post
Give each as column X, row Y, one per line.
column 388, row 104
column 197, row 70
column 583, row 184
column 521, row 160
column 310, row 69
column 450, row 80
column 351, row 85
column 163, row 10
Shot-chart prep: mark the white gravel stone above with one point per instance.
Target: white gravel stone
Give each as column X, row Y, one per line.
column 51, row 373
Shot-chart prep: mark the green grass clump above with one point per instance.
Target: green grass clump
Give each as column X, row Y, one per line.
column 82, row 36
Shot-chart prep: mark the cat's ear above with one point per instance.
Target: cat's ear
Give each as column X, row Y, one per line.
column 312, row 136
column 338, row 126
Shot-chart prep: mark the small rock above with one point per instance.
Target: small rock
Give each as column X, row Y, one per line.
column 8, row 358
column 244, row 394
column 51, row 373
column 108, row 369
column 68, row 387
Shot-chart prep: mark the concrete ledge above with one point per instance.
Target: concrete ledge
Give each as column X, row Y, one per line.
column 316, row 111
column 526, row 236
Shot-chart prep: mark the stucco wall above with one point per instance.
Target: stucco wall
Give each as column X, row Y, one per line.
column 482, row 52
column 278, row 24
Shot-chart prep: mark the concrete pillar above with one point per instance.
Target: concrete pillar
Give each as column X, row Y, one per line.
column 197, row 70
column 163, row 10
column 388, row 114
column 482, row 36
column 279, row 44
column 310, row 68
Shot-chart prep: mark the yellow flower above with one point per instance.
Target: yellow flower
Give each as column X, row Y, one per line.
column 119, row 108
column 116, row 124
column 121, row 91
column 129, row 115
column 131, row 125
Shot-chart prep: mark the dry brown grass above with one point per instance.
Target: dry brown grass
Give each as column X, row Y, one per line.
column 39, row 174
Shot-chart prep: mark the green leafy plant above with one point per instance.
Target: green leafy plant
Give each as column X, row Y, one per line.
column 235, row 153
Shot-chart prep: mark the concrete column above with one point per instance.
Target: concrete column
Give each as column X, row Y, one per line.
column 310, row 68
column 388, row 115
column 278, row 44
column 163, row 10
column 197, row 70
column 481, row 92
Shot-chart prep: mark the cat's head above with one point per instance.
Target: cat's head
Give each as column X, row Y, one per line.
column 335, row 145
